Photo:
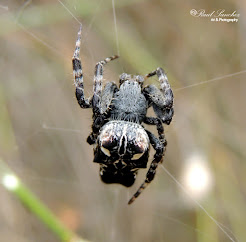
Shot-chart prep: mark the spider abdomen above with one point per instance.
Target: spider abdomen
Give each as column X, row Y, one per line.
column 125, row 140
column 123, row 148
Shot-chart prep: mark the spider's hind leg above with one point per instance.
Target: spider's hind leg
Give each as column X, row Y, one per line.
column 160, row 149
column 159, row 126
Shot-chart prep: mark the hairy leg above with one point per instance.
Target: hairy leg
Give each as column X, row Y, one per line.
column 157, row 122
column 78, row 75
column 100, row 119
column 97, row 87
column 160, row 149
column 161, row 99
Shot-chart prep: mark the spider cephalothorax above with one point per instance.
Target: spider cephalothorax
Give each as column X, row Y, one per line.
column 121, row 142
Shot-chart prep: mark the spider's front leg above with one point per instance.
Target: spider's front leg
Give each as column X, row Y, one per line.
column 97, row 87
column 160, row 149
column 161, row 99
column 100, row 119
column 97, row 102
column 78, row 75
column 101, row 99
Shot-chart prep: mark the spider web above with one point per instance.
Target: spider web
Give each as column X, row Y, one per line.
column 75, row 170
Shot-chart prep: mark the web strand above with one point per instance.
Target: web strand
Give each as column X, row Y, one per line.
column 20, row 12
column 25, row 4
column 40, row 40
column 69, row 12
column 115, row 28
column 44, row 126
column 212, row 80
column 199, row 205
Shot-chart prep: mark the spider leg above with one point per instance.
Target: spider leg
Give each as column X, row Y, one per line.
column 157, row 122
column 78, row 75
column 160, row 149
column 97, row 87
column 161, row 99
column 99, row 120
column 101, row 99
column 107, row 97
column 96, row 126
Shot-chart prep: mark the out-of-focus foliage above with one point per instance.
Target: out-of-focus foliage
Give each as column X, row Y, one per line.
column 43, row 130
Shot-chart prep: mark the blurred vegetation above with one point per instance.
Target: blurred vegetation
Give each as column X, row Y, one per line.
column 43, row 131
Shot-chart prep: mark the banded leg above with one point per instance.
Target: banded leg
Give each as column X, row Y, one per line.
column 97, row 87
column 157, row 122
column 78, row 75
column 99, row 120
column 96, row 126
column 165, row 88
column 160, row 149
column 161, row 99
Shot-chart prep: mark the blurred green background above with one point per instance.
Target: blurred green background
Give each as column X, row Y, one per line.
column 43, row 130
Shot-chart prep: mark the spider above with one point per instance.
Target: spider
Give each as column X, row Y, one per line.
column 121, row 143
